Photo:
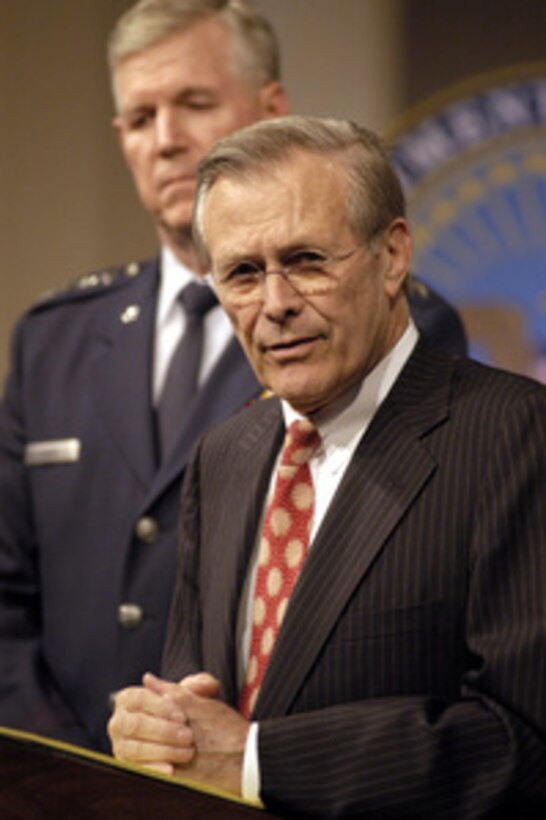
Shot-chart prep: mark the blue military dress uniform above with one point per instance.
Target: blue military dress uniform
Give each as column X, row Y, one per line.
column 88, row 518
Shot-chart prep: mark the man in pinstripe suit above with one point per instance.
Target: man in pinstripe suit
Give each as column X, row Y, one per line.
column 408, row 677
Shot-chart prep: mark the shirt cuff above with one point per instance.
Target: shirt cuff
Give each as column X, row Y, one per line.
column 251, row 785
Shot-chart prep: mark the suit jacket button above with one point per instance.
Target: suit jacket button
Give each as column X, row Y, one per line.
column 147, row 529
column 130, row 615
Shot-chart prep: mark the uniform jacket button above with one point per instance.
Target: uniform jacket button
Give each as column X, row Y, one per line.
column 147, row 529
column 130, row 615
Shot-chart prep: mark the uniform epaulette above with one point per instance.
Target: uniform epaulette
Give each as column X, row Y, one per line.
column 418, row 288
column 87, row 284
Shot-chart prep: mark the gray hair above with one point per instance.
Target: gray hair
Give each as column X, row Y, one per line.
column 375, row 196
column 255, row 48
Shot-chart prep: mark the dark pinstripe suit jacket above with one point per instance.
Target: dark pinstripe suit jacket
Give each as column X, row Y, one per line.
column 409, row 678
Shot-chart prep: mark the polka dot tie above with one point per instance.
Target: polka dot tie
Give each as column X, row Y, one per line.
column 283, row 547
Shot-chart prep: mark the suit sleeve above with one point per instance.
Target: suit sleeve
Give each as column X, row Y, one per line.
column 181, row 654
column 484, row 753
column 29, row 698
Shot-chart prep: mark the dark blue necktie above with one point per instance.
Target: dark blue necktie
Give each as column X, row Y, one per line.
column 180, row 384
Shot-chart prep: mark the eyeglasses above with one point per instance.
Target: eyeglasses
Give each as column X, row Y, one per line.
column 309, row 272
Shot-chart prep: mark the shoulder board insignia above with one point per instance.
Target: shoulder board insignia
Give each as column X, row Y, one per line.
column 93, row 280
column 132, row 269
column 98, row 282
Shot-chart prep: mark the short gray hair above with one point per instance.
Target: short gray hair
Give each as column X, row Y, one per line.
column 255, row 46
column 375, row 196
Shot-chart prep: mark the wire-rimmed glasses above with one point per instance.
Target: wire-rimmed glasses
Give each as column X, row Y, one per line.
column 310, row 272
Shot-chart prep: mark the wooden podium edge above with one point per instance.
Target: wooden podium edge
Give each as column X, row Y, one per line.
column 111, row 762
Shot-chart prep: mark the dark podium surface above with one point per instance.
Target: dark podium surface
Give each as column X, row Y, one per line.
column 44, row 779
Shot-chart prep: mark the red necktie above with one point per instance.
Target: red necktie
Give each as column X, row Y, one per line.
column 283, row 548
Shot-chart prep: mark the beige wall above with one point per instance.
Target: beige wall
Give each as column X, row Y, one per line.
column 338, row 56
column 66, row 203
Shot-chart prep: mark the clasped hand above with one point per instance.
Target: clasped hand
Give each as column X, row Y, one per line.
column 180, row 729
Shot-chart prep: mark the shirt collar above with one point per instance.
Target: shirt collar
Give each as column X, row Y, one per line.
column 339, row 427
column 174, row 276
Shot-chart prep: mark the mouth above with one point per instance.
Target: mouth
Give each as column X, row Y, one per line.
column 291, row 349
column 178, row 180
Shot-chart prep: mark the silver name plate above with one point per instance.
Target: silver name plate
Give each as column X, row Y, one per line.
column 55, row 451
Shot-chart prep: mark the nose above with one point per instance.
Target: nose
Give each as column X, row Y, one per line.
column 170, row 133
column 280, row 298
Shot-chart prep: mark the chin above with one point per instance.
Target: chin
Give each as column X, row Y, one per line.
column 301, row 399
column 177, row 227
column 178, row 213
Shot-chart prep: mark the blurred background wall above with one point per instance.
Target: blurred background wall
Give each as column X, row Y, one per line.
column 66, row 201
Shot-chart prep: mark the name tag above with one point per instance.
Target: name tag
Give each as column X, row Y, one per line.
column 56, row 451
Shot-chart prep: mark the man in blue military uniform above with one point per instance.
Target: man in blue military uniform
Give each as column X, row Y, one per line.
column 89, row 477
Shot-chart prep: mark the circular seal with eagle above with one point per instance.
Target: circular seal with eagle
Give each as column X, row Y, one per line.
column 473, row 165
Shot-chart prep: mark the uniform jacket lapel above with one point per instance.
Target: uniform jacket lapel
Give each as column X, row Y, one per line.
column 124, row 398
column 122, row 371
column 389, row 468
column 229, row 387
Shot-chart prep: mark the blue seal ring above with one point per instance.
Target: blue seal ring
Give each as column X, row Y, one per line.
column 473, row 165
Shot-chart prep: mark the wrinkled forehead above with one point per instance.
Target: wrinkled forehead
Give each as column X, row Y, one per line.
column 312, row 179
column 297, row 200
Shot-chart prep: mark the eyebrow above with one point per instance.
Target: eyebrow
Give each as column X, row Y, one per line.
column 234, row 260
column 180, row 96
column 257, row 258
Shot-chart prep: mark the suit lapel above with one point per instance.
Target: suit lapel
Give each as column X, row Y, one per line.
column 122, row 372
column 251, row 468
column 390, row 466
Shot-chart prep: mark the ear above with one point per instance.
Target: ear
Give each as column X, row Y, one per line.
column 398, row 246
column 117, row 127
column 273, row 101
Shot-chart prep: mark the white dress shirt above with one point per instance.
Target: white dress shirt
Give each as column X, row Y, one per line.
column 340, row 428
column 171, row 322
